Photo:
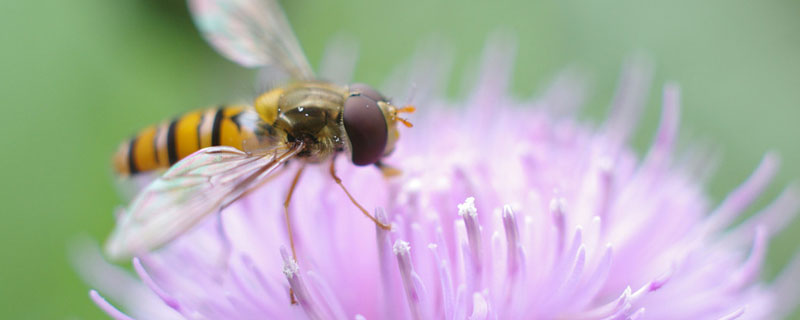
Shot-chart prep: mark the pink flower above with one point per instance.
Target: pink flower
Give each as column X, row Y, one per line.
column 507, row 209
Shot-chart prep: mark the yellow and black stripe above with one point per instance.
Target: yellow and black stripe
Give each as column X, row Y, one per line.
column 160, row 146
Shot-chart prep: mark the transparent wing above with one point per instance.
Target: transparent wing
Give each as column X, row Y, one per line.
column 196, row 186
column 252, row 33
column 128, row 187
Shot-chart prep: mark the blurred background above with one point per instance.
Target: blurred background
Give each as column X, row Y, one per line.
column 77, row 77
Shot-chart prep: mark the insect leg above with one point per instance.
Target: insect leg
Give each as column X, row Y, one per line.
column 289, row 221
column 339, row 182
column 286, row 208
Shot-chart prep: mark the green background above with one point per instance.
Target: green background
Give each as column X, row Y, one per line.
column 77, row 77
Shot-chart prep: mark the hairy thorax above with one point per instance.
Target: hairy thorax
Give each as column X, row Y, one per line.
column 308, row 112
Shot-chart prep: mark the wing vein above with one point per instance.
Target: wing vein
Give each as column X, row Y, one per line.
column 198, row 185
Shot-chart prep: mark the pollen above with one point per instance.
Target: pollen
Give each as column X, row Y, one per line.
column 468, row 208
column 558, row 205
column 401, row 247
column 290, row 268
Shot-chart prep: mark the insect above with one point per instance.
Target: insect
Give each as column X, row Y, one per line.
column 218, row 155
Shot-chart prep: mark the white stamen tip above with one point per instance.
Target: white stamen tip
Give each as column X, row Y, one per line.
column 605, row 164
column 401, row 247
column 558, row 205
column 507, row 211
column 414, row 185
column 290, row 268
column 468, row 208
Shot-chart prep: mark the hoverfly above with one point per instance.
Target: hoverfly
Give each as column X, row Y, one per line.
column 216, row 156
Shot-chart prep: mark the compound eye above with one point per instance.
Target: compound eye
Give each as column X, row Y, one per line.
column 366, row 129
column 366, row 90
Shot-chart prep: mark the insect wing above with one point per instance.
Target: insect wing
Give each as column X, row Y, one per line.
column 196, row 186
column 252, row 33
column 130, row 186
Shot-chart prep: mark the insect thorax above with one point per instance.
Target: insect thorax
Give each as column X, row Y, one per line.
column 310, row 112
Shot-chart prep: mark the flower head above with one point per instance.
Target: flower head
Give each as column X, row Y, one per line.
column 506, row 210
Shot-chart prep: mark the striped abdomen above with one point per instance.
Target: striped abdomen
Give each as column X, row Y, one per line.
column 160, row 146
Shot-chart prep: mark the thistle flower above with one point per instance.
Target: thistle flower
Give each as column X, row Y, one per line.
column 506, row 209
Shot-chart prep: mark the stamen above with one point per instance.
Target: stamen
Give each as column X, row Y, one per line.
column 244, row 280
column 639, row 314
column 401, row 247
column 667, row 130
column 389, row 284
column 567, row 259
column 576, row 272
column 480, row 307
column 785, row 285
column 596, row 280
column 290, row 268
column 744, row 195
column 411, row 282
column 750, row 269
column 496, row 69
column 607, row 310
column 512, row 239
column 469, row 213
column 606, row 197
column 735, row 315
column 109, row 309
column 776, row 216
column 329, row 299
column 469, row 268
column 380, row 216
column 149, row 282
column 468, row 208
column 292, row 272
column 629, row 100
column 652, row 285
column 663, row 279
column 261, row 281
column 448, row 296
column 558, row 206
